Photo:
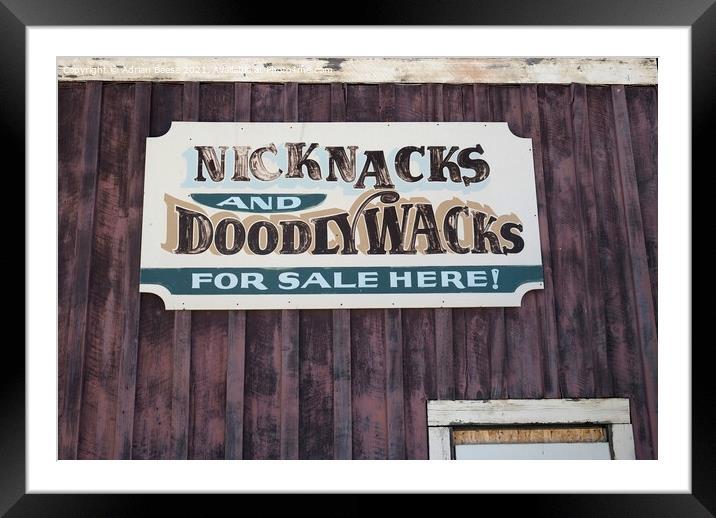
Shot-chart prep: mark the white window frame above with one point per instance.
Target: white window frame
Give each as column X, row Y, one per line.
column 613, row 413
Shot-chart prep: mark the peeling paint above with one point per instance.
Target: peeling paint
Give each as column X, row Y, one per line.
column 334, row 64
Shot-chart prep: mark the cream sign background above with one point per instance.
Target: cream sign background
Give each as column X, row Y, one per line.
column 329, row 215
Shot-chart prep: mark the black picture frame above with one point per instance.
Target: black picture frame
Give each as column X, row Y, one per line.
column 700, row 15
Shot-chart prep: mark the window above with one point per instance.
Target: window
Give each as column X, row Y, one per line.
column 530, row 429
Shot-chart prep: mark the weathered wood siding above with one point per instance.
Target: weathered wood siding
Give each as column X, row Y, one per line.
column 140, row 382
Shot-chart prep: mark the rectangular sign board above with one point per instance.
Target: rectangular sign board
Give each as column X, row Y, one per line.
column 339, row 215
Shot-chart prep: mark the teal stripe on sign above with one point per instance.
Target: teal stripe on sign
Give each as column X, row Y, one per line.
column 332, row 281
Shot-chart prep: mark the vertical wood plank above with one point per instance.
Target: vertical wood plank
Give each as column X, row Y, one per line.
column 262, row 426
column 316, row 434
column 107, row 289
column 367, row 339
column 595, row 341
column 453, row 105
column 235, row 376
column 444, row 353
column 314, row 102
column 642, row 106
column 496, row 336
column 478, row 323
column 433, row 99
column 267, row 102
column 441, row 359
column 127, row 377
column 566, row 235
column 362, row 103
column 439, row 437
column 242, row 102
column 368, row 385
column 622, row 338
column 215, row 101
column 152, row 434
column 181, row 379
column 290, row 102
column 394, row 383
column 289, row 333
column 70, row 102
column 523, row 352
column 642, row 103
column 316, row 388
column 449, row 107
column 461, row 357
column 545, row 298
column 622, row 441
column 419, row 385
column 418, row 324
column 395, row 412
column 497, row 339
column 386, row 101
column 338, row 102
column 484, row 327
column 190, row 101
column 207, row 416
column 482, row 107
column 167, row 106
column 408, row 103
column 262, row 398
column 469, row 110
column 181, row 361
column 236, row 353
column 70, row 99
column 342, row 360
column 209, row 329
column 639, row 268
column 342, row 382
column 151, row 437
column 457, row 109
column 82, row 166
column 289, row 384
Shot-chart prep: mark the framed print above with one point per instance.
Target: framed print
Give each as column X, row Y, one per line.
column 417, row 255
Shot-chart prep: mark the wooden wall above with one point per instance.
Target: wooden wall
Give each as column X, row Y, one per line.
column 136, row 381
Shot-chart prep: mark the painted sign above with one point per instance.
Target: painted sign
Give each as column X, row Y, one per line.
column 331, row 215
